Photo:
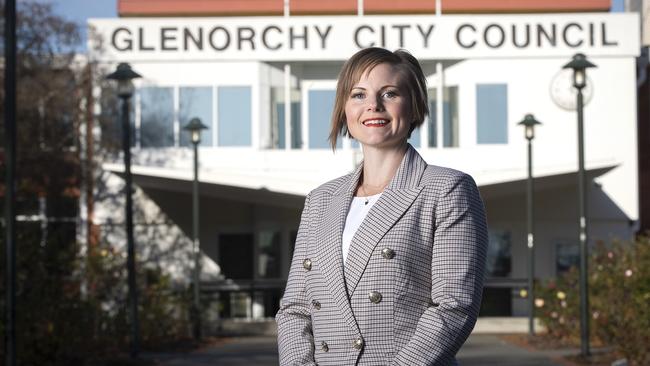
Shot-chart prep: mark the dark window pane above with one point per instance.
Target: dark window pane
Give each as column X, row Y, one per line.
column 499, row 258
column 110, row 120
column 236, row 256
column 157, row 117
column 567, row 255
column 62, row 206
column 296, row 126
column 492, row 114
column 268, row 261
column 271, row 303
column 496, row 302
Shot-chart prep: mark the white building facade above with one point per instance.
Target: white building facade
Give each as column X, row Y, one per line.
column 265, row 87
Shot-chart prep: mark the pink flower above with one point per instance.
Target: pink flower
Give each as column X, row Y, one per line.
column 628, row 273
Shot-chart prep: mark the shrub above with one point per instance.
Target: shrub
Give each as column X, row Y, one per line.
column 619, row 294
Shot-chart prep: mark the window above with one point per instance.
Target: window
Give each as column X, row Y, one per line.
column 110, row 120
column 492, row 114
column 268, row 255
column 195, row 102
column 236, row 256
column 449, row 117
column 415, row 137
column 321, row 105
column 278, row 119
column 234, row 116
column 567, row 255
column 157, row 117
column 498, row 263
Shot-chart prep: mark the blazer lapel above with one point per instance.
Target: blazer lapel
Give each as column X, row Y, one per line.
column 329, row 252
column 396, row 199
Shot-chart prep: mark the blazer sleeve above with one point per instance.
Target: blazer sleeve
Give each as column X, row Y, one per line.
column 457, row 271
column 295, row 337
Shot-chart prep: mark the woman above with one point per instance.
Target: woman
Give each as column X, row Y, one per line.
column 389, row 260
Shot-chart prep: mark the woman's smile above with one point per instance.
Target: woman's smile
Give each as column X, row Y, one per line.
column 376, row 122
column 377, row 109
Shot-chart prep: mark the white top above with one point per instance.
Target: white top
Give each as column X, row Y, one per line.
column 358, row 211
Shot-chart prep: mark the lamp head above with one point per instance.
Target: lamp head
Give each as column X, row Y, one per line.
column 579, row 64
column 529, row 123
column 124, row 76
column 195, row 127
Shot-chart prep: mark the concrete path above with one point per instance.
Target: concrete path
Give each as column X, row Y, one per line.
column 480, row 349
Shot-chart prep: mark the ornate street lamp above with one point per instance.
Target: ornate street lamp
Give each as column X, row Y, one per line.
column 195, row 127
column 124, row 76
column 529, row 123
column 579, row 64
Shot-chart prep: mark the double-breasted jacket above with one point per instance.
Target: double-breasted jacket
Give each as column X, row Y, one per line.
column 410, row 289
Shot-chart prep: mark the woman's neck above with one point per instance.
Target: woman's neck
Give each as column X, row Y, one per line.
column 380, row 165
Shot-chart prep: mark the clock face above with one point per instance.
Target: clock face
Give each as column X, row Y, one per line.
column 563, row 93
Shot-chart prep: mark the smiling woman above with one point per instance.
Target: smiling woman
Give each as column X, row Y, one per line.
column 389, row 260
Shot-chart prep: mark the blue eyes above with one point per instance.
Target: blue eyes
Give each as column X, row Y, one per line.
column 388, row 95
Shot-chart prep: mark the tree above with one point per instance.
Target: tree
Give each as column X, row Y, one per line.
column 49, row 113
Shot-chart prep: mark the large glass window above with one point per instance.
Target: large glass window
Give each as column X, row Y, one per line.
column 110, row 120
column 268, row 255
column 567, row 255
column 278, row 119
column 321, row 105
column 195, row 102
column 157, row 117
column 499, row 259
column 234, row 118
column 236, row 256
column 449, row 117
column 492, row 114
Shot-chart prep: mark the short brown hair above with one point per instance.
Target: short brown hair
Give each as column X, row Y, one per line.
column 364, row 61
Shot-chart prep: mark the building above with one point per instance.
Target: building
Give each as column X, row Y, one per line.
column 262, row 75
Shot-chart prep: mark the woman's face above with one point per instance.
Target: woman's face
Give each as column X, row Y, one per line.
column 378, row 108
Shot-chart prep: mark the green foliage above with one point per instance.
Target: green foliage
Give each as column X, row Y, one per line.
column 73, row 309
column 619, row 293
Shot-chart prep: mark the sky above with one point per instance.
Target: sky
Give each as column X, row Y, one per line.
column 80, row 10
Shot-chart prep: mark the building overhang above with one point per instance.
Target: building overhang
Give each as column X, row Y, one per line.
column 285, row 191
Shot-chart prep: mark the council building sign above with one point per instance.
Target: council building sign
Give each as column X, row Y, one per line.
column 303, row 38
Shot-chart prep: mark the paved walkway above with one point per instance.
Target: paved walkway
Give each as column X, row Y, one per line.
column 480, row 349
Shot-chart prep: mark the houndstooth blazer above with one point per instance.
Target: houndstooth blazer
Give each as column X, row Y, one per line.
column 410, row 290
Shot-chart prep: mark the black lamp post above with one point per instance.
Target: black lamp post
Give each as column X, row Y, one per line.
column 10, row 177
column 124, row 76
column 529, row 123
column 579, row 64
column 195, row 127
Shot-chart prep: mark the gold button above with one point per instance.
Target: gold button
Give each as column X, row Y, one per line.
column 315, row 304
column 358, row 343
column 387, row 253
column 307, row 264
column 375, row 297
column 324, row 346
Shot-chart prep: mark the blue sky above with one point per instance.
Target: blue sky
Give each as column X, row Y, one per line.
column 80, row 10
